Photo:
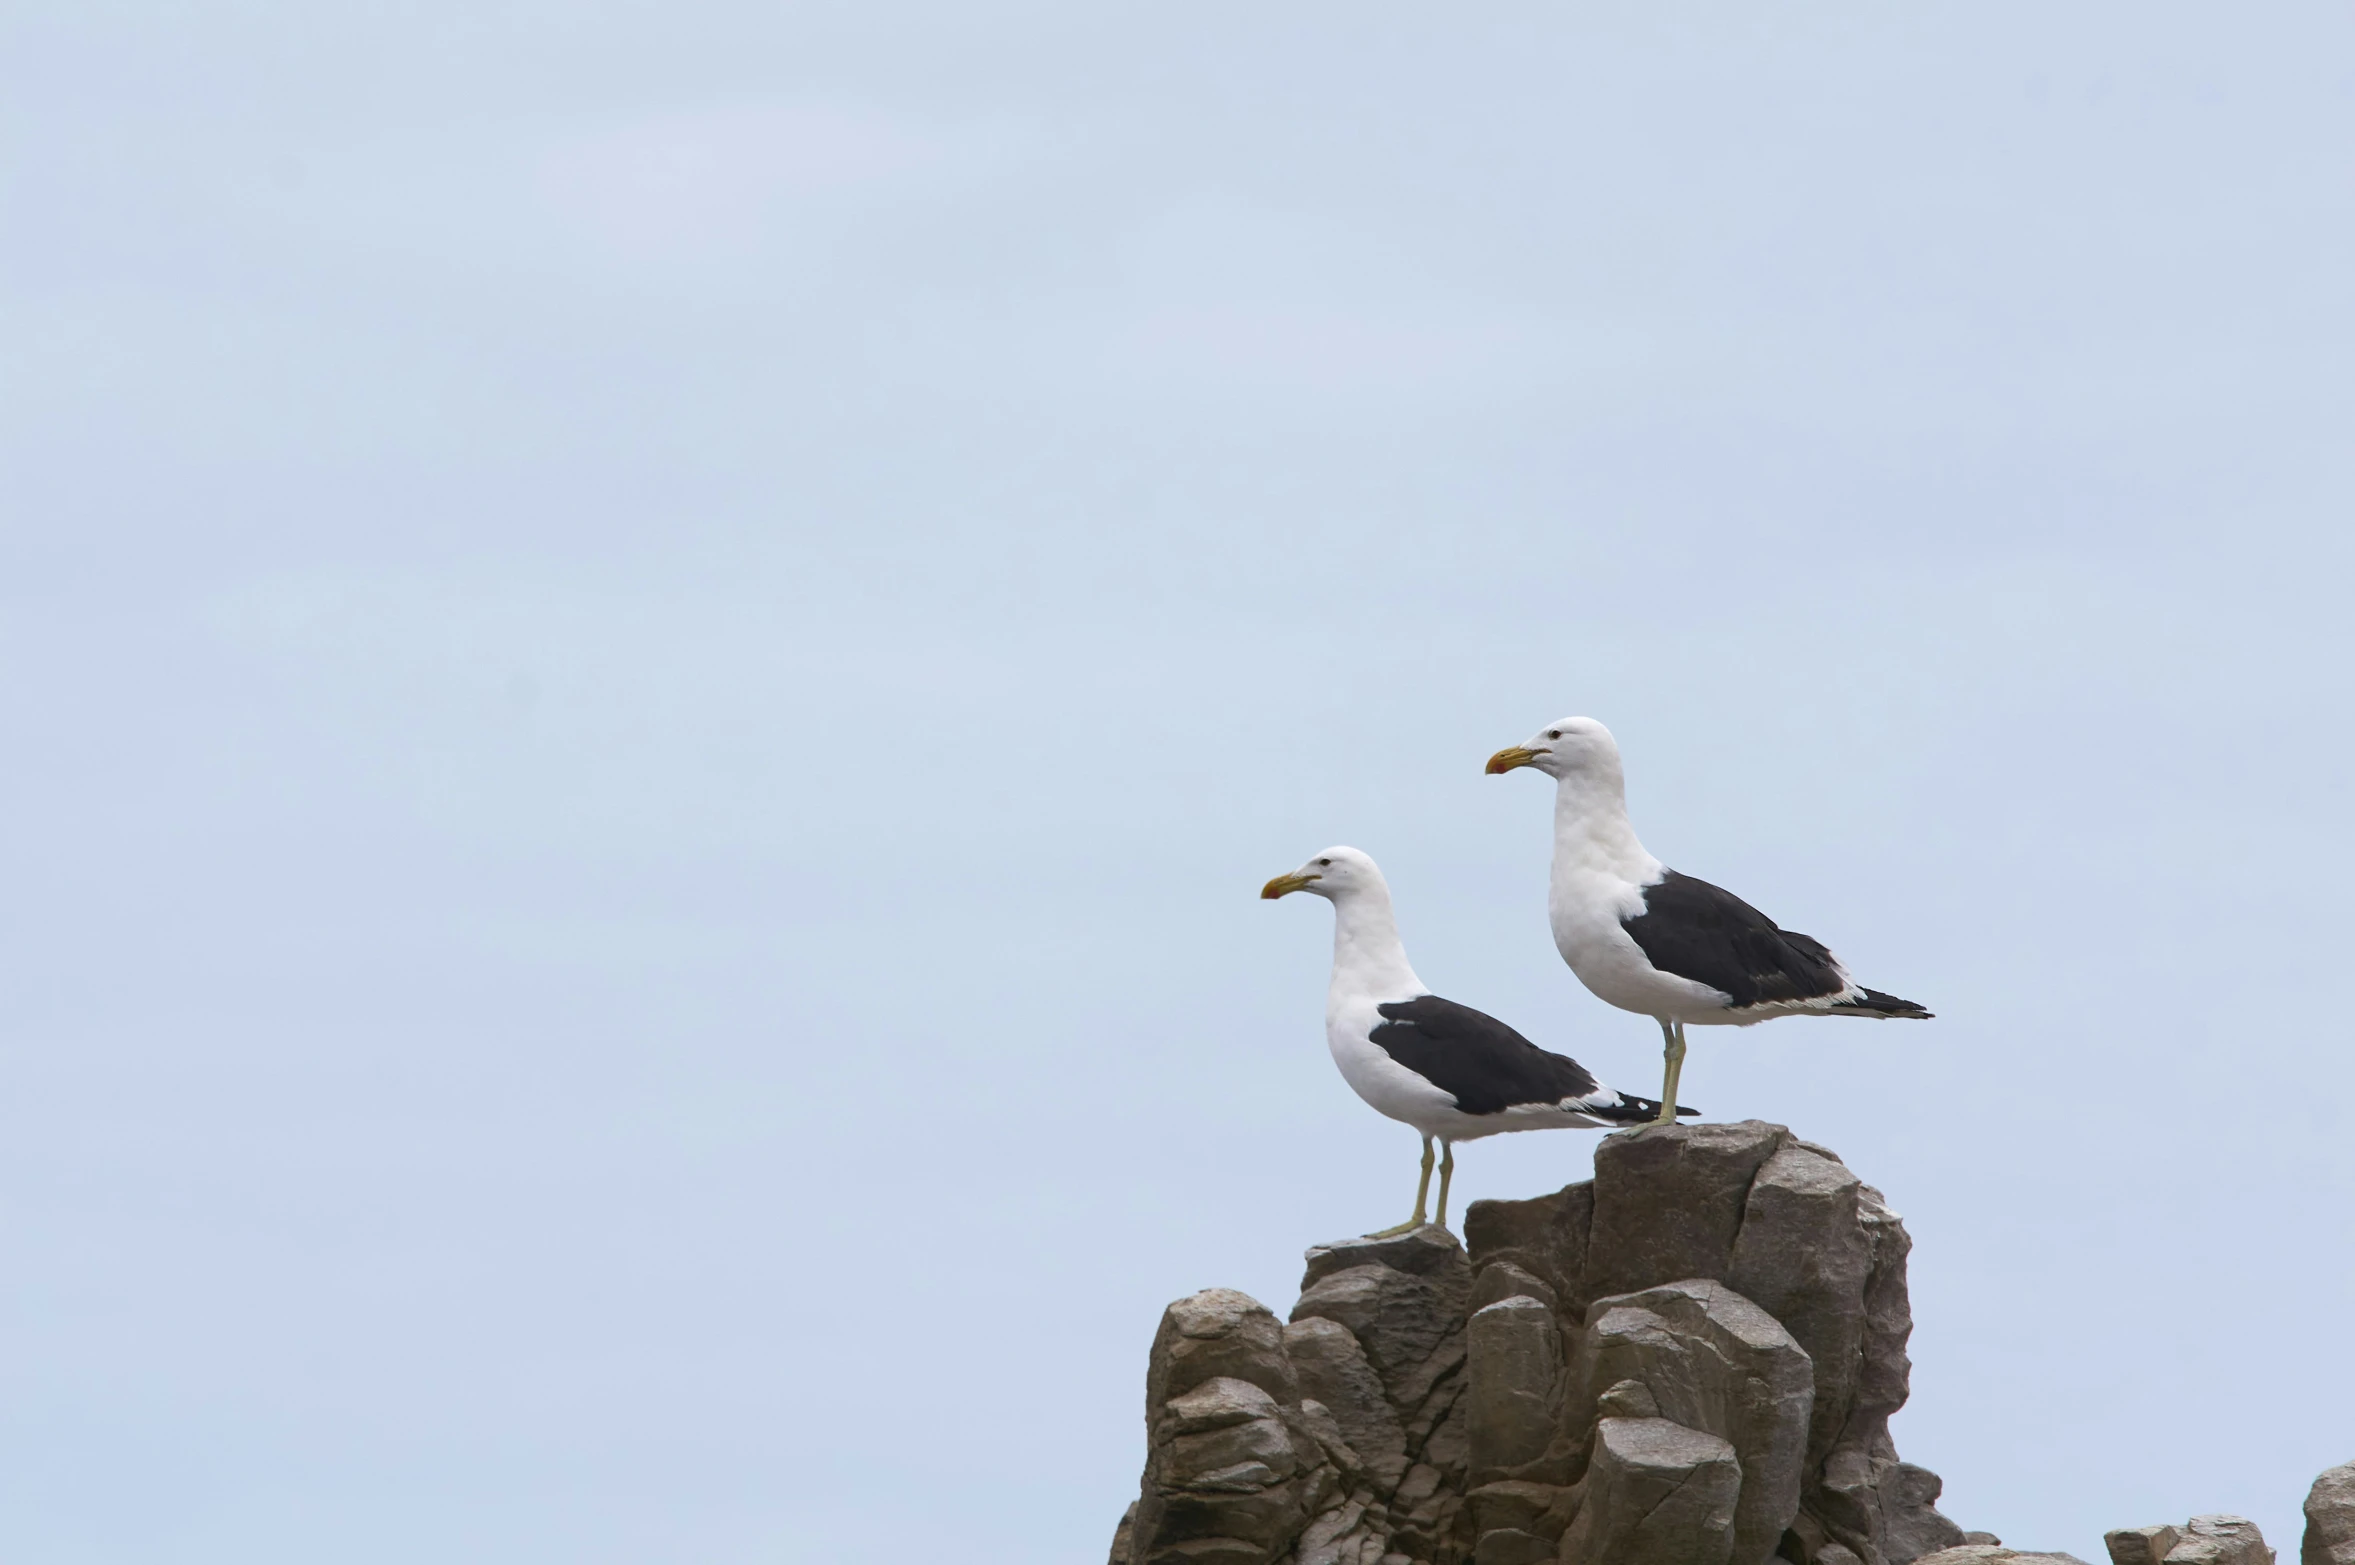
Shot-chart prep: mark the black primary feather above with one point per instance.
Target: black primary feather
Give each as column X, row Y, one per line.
column 1632, row 1110
column 1871, row 1002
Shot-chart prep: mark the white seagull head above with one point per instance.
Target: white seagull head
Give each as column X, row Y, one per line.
column 1332, row 874
column 1567, row 747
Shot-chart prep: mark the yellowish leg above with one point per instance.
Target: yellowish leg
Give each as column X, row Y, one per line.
column 1447, row 1171
column 1675, row 1053
column 1422, row 1189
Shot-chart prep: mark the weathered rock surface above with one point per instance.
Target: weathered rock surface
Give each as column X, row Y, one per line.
column 1713, row 1362
column 1514, row 1350
column 1657, row 1493
column 2330, row 1519
column 1337, row 1439
column 1782, row 1227
column 1404, row 1301
column 2204, row 1540
column 1994, row 1554
column 2140, row 1545
column 1232, row 1466
column 2220, row 1540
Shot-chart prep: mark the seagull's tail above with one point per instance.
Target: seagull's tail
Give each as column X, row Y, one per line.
column 1871, row 1002
column 1630, row 1109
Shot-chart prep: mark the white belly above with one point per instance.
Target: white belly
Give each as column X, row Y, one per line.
column 1387, row 1086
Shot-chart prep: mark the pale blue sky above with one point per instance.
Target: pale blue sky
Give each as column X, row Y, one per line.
column 652, row 654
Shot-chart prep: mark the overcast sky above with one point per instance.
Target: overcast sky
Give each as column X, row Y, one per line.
column 651, row 654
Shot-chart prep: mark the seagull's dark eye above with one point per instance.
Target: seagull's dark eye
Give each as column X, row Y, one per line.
column 1324, row 863
column 1553, row 733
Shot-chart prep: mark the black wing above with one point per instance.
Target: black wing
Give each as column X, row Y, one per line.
column 1484, row 1064
column 1695, row 930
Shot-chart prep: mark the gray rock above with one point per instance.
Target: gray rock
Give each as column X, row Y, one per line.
column 1994, row 1554
column 1217, row 1332
column 1418, row 1253
column 1801, row 1255
column 2204, row 1540
column 1350, row 1533
column 1514, row 1362
column 1517, row 1505
column 1221, row 1402
column 1315, row 1420
column 1402, row 1302
column 1332, row 1369
column 1506, row 1546
column 1912, row 1525
column 1433, row 1406
column 1401, row 1298
column 1225, row 1478
column 1657, row 1493
column 1884, row 1375
column 2139, row 1545
column 1627, row 1399
column 1227, row 1435
column 2219, row 1540
column 1846, row 1499
column 1500, row 1280
column 1787, row 1218
column 1713, row 1361
column 2330, row 1519
column 1544, row 1236
column 1668, row 1202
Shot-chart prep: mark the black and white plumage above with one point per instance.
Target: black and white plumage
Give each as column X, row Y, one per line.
column 1662, row 944
column 1453, row 1073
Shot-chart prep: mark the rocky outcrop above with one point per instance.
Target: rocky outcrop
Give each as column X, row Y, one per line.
column 1402, row 1302
column 1337, row 1439
column 1786, row 1339
column 2204, row 1540
column 1233, row 1463
column 1689, row 1360
column 2330, row 1519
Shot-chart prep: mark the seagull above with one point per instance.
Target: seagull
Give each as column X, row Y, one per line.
column 1453, row 1073
column 1661, row 944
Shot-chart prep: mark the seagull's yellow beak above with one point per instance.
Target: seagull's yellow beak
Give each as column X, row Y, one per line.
column 1509, row 758
column 1285, row 885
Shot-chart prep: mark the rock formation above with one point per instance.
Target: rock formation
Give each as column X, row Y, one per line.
column 2204, row 1540
column 2330, row 1519
column 1689, row 1360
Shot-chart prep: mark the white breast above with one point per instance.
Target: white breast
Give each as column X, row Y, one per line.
column 1586, row 910
column 1387, row 1086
